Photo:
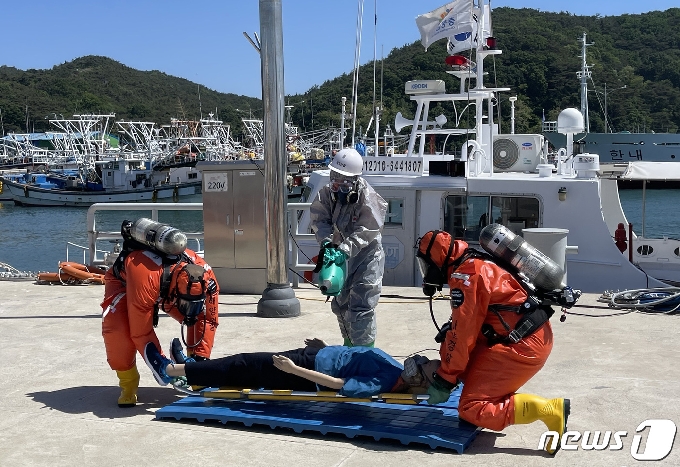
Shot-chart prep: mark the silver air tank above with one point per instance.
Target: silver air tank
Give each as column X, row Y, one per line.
column 161, row 237
column 541, row 271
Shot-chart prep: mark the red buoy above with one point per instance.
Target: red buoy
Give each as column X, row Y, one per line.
column 620, row 238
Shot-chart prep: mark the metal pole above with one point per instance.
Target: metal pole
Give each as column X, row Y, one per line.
column 606, row 125
column 644, row 202
column 630, row 242
column 278, row 299
column 512, row 114
column 342, row 124
column 377, row 131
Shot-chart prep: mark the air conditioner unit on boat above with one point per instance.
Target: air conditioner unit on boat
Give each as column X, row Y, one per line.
column 517, row 153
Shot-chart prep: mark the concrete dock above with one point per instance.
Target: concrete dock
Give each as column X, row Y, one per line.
column 58, row 404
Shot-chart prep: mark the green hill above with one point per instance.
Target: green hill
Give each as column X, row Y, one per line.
column 541, row 55
column 100, row 85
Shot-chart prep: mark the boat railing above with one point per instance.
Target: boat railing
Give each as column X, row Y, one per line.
column 97, row 256
column 549, row 127
column 296, row 236
column 82, row 249
column 94, row 235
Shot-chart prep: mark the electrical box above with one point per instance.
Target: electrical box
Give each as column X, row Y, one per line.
column 234, row 224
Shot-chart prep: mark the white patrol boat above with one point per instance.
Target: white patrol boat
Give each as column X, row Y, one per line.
column 482, row 177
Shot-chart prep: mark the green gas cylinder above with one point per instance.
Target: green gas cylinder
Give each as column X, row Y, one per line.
column 333, row 272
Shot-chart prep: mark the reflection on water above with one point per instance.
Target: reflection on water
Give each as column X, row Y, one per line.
column 35, row 238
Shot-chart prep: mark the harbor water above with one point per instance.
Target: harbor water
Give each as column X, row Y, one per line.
column 36, row 238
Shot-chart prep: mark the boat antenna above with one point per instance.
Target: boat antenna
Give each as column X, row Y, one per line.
column 583, row 75
column 375, row 59
column 200, row 107
column 382, row 69
column 355, row 81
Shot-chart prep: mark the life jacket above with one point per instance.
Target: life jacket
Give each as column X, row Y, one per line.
column 168, row 262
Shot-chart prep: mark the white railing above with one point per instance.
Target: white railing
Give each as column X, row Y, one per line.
column 293, row 209
column 82, row 249
column 93, row 235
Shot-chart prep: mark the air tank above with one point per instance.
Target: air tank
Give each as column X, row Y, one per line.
column 540, row 270
column 160, row 237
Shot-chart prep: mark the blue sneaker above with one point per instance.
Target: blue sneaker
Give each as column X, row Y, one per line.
column 157, row 363
column 177, row 352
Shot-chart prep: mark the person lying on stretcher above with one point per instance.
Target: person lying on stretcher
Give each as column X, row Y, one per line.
column 352, row 371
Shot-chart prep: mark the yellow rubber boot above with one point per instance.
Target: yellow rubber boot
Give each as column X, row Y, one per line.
column 128, row 382
column 553, row 412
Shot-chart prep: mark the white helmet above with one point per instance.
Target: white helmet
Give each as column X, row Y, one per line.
column 347, row 162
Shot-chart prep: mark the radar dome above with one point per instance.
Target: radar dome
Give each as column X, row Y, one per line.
column 570, row 121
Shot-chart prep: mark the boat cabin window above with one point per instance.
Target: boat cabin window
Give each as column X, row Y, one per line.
column 515, row 213
column 395, row 208
column 110, row 165
column 466, row 216
column 308, row 190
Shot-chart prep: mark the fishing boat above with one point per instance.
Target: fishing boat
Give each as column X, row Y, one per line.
column 119, row 180
column 618, row 147
column 83, row 163
column 478, row 177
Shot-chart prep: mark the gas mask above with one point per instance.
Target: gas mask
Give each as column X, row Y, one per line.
column 434, row 276
column 413, row 373
column 190, row 294
column 344, row 188
column 417, row 374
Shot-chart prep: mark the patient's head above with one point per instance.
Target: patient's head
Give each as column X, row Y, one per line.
column 417, row 375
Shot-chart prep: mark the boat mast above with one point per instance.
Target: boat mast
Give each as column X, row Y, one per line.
column 376, row 109
column 355, row 80
column 583, row 75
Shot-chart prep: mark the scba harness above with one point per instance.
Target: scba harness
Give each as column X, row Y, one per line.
column 191, row 291
column 535, row 311
column 168, row 262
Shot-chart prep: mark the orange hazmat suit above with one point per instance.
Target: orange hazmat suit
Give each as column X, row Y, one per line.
column 490, row 375
column 128, row 309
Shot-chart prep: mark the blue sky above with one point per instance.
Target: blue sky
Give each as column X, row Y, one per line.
column 202, row 40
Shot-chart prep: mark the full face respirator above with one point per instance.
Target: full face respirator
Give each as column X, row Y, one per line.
column 434, row 276
column 344, row 188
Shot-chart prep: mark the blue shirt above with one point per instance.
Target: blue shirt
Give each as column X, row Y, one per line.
column 367, row 371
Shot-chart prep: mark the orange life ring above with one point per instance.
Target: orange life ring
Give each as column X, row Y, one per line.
column 54, row 277
column 309, row 275
column 82, row 267
column 80, row 272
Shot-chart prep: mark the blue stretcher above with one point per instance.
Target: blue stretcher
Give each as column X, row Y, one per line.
column 406, row 421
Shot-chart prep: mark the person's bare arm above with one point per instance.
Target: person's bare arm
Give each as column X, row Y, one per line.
column 175, row 370
column 287, row 365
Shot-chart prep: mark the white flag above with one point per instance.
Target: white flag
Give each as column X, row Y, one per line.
column 448, row 20
column 468, row 38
